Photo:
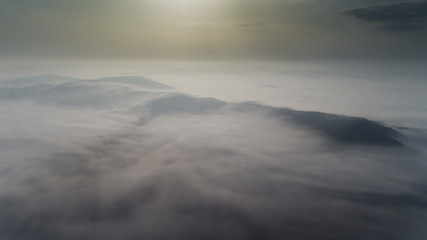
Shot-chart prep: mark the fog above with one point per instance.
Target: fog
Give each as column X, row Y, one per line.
column 155, row 154
column 213, row 119
column 387, row 91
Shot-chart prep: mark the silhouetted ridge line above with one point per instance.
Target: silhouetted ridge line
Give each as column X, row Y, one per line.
column 55, row 89
column 346, row 129
column 135, row 81
column 337, row 127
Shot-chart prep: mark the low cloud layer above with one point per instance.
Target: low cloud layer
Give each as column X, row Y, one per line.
column 114, row 159
column 396, row 17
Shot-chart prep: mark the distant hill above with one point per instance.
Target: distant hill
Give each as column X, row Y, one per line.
column 37, row 80
column 141, row 82
column 141, row 95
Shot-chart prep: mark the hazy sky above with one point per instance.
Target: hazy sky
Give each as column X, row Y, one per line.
column 213, row 29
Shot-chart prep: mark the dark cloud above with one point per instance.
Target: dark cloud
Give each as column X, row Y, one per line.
column 167, row 165
column 396, row 17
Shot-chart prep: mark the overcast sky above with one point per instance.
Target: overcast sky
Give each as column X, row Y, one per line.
column 213, row 29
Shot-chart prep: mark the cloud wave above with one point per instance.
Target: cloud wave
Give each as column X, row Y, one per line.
column 94, row 159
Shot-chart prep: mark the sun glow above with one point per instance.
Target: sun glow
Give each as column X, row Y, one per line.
column 188, row 5
column 188, row 2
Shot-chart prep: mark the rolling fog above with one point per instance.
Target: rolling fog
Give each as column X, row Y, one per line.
column 97, row 156
column 213, row 120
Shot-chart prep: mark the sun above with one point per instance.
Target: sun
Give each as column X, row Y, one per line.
column 187, row 4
